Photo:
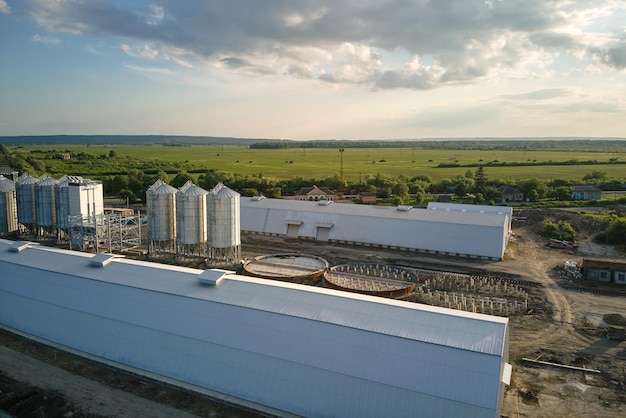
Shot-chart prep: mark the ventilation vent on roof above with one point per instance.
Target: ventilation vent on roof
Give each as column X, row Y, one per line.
column 256, row 198
column 405, row 208
column 324, row 202
column 18, row 246
column 101, row 260
column 213, row 277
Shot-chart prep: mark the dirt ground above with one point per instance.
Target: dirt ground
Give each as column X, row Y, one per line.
column 572, row 328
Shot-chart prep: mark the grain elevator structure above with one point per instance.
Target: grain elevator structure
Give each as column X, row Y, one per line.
column 191, row 222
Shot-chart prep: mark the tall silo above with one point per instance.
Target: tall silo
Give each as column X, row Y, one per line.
column 161, row 205
column 224, row 224
column 45, row 203
column 25, row 196
column 191, row 220
column 8, row 206
column 62, row 200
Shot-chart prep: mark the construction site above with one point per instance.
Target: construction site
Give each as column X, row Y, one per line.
column 566, row 346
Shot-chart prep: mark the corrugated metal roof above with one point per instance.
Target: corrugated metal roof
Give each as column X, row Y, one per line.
column 458, row 207
column 311, row 351
column 374, row 211
column 464, row 330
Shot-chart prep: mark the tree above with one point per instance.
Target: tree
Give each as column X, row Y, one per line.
column 480, row 180
column 561, row 193
column 180, row 179
column 595, row 175
column 419, row 197
column 112, row 154
column 128, row 195
column 401, row 190
column 534, row 184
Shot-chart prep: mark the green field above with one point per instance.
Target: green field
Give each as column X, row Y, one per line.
column 358, row 163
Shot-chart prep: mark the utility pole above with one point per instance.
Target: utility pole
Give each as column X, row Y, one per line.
column 341, row 150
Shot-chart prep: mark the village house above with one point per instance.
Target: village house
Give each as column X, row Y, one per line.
column 510, row 194
column 586, row 192
column 315, row 193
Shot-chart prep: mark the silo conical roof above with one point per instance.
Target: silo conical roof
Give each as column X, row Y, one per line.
column 6, row 185
column 185, row 186
column 222, row 191
column 47, row 181
column 156, row 184
column 164, row 188
column 27, row 179
column 194, row 190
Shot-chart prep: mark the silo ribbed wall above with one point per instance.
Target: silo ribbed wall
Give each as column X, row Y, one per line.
column 25, row 196
column 191, row 215
column 224, row 217
column 45, row 202
column 161, row 203
column 8, row 206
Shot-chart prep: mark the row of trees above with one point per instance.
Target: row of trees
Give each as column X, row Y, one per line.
column 473, row 185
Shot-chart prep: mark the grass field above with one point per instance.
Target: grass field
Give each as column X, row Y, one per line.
column 324, row 162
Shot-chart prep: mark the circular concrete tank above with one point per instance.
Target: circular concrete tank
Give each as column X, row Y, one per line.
column 371, row 279
column 294, row 268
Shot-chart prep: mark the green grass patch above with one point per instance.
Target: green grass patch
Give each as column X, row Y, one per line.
column 358, row 163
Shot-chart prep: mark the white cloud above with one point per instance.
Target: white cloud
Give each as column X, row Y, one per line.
column 4, row 7
column 150, row 70
column 48, row 40
column 146, row 51
column 469, row 41
column 156, row 15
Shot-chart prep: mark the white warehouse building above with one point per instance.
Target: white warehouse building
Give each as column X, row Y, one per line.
column 459, row 233
column 303, row 350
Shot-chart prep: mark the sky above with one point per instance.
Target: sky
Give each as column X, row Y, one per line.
column 308, row 69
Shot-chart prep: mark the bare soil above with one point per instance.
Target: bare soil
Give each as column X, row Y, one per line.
column 566, row 327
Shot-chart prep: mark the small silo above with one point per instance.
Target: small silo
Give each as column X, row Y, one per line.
column 191, row 220
column 8, row 206
column 161, row 205
column 224, row 224
column 25, row 196
column 45, row 202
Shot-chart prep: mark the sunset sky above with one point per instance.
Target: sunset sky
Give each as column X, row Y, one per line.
column 362, row 69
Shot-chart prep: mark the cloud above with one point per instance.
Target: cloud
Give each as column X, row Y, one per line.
column 150, row 70
column 146, row 51
column 545, row 94
column 342, row 42
column 613, row 56
column 48, row 40
column 4, row 7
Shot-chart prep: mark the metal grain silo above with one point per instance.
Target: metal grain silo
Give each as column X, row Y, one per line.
column 25, row 196
column 191, row 214
column 44, row 202
column 161, row 204
column 224, row 223
column 8, row 206
column 62, row 200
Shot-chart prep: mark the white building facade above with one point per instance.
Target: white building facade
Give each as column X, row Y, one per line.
column 457, row 233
